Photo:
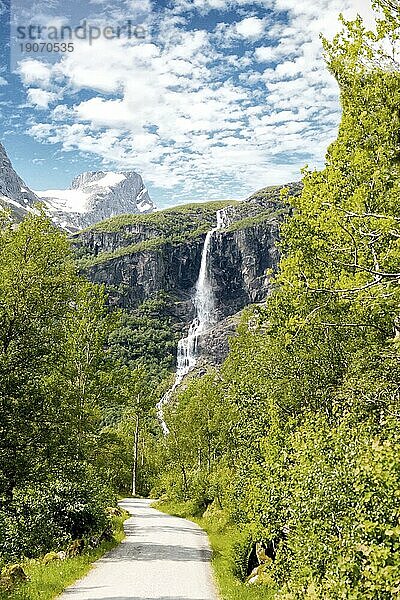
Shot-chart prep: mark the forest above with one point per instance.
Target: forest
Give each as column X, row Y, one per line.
column 294, row 441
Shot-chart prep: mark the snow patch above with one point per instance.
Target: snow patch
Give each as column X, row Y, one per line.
column 19, row 205
column 144, row 206
column 71, row 201
column 109, row 180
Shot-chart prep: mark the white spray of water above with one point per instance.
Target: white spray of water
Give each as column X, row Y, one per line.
column 204, row 317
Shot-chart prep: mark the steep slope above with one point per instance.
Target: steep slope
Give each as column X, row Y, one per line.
column 14, row 193
column 137, row 257
column 97, row 195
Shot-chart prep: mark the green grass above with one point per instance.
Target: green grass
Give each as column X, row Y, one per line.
column 171, row 226
column 163, row 219
column 222, row 538
column 102, row 257
column 273, row 192
column 248, row 222
column 46, row 582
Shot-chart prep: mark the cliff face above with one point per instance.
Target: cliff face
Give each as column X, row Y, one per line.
column 238, row 261
column 92, row 196
column 14, row 193
column 138, row 257
column 135, row 277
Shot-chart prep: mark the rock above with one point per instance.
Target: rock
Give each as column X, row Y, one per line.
column 12, row 575
column 262, row 556
column 16, row 573
column 259, row 554
column 92, row 196
column 270, row 197
column 260, row 575
column 239, row 261
column 213, row 345
column 75, row 548
column 114, row 511
column 242, row 256
column 262, row 553
column 50, row 557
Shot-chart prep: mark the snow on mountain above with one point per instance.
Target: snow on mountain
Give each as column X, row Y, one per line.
column 97, row 195
column 92, row 196
column 14, row 194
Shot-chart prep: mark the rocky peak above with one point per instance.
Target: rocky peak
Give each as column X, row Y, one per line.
column 14, row 193
column 97, row 195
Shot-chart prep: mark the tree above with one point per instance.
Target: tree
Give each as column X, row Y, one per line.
column 128, row 409
column 52, row 336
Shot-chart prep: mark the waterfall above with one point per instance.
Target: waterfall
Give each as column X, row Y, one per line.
column 204, row 318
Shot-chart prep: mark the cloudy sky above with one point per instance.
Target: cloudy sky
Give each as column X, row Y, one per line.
column 220, row 98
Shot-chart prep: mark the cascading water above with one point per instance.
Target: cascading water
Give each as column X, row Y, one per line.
column 204, row 317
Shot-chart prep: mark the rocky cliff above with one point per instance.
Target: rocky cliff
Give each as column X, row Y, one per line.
column 14, row 193
column 139, row 256
column 92, row 197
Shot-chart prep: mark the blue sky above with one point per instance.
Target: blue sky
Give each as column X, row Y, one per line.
column 221, row 98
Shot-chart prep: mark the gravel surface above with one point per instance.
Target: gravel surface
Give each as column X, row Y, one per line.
column 162, row 557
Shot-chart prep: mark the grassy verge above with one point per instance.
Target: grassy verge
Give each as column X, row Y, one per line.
column 222, row 539
column 46, row 582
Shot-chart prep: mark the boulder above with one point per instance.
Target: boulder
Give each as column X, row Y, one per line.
column 75, row 548
column 12, row 575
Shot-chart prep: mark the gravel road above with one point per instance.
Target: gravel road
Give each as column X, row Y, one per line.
column 162, row 557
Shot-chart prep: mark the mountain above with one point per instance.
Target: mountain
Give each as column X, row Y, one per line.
column 139, row 257
column 92, row 196
column 97, row 195
column 14, row 193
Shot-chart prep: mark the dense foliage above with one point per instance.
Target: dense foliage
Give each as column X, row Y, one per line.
column 168, row 222
column 296, row 439
column 73, row 380
column 51, row 341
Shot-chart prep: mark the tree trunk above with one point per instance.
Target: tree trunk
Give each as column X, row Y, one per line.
column 185, row 483
column 143, row 446
column 135, row 457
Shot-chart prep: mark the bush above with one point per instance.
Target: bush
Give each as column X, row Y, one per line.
column 240, row 552
column 48, row 516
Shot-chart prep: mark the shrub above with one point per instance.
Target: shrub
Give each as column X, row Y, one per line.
column 44, row 517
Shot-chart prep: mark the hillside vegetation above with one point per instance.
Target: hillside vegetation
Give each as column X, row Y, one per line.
column 170, row 226
column 177, row 225
column 170, row 221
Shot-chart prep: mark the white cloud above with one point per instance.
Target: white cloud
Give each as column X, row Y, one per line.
column 40, row 98
column 270, row 53
column 34, row 71
column 251, row 27
column 188, row 114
